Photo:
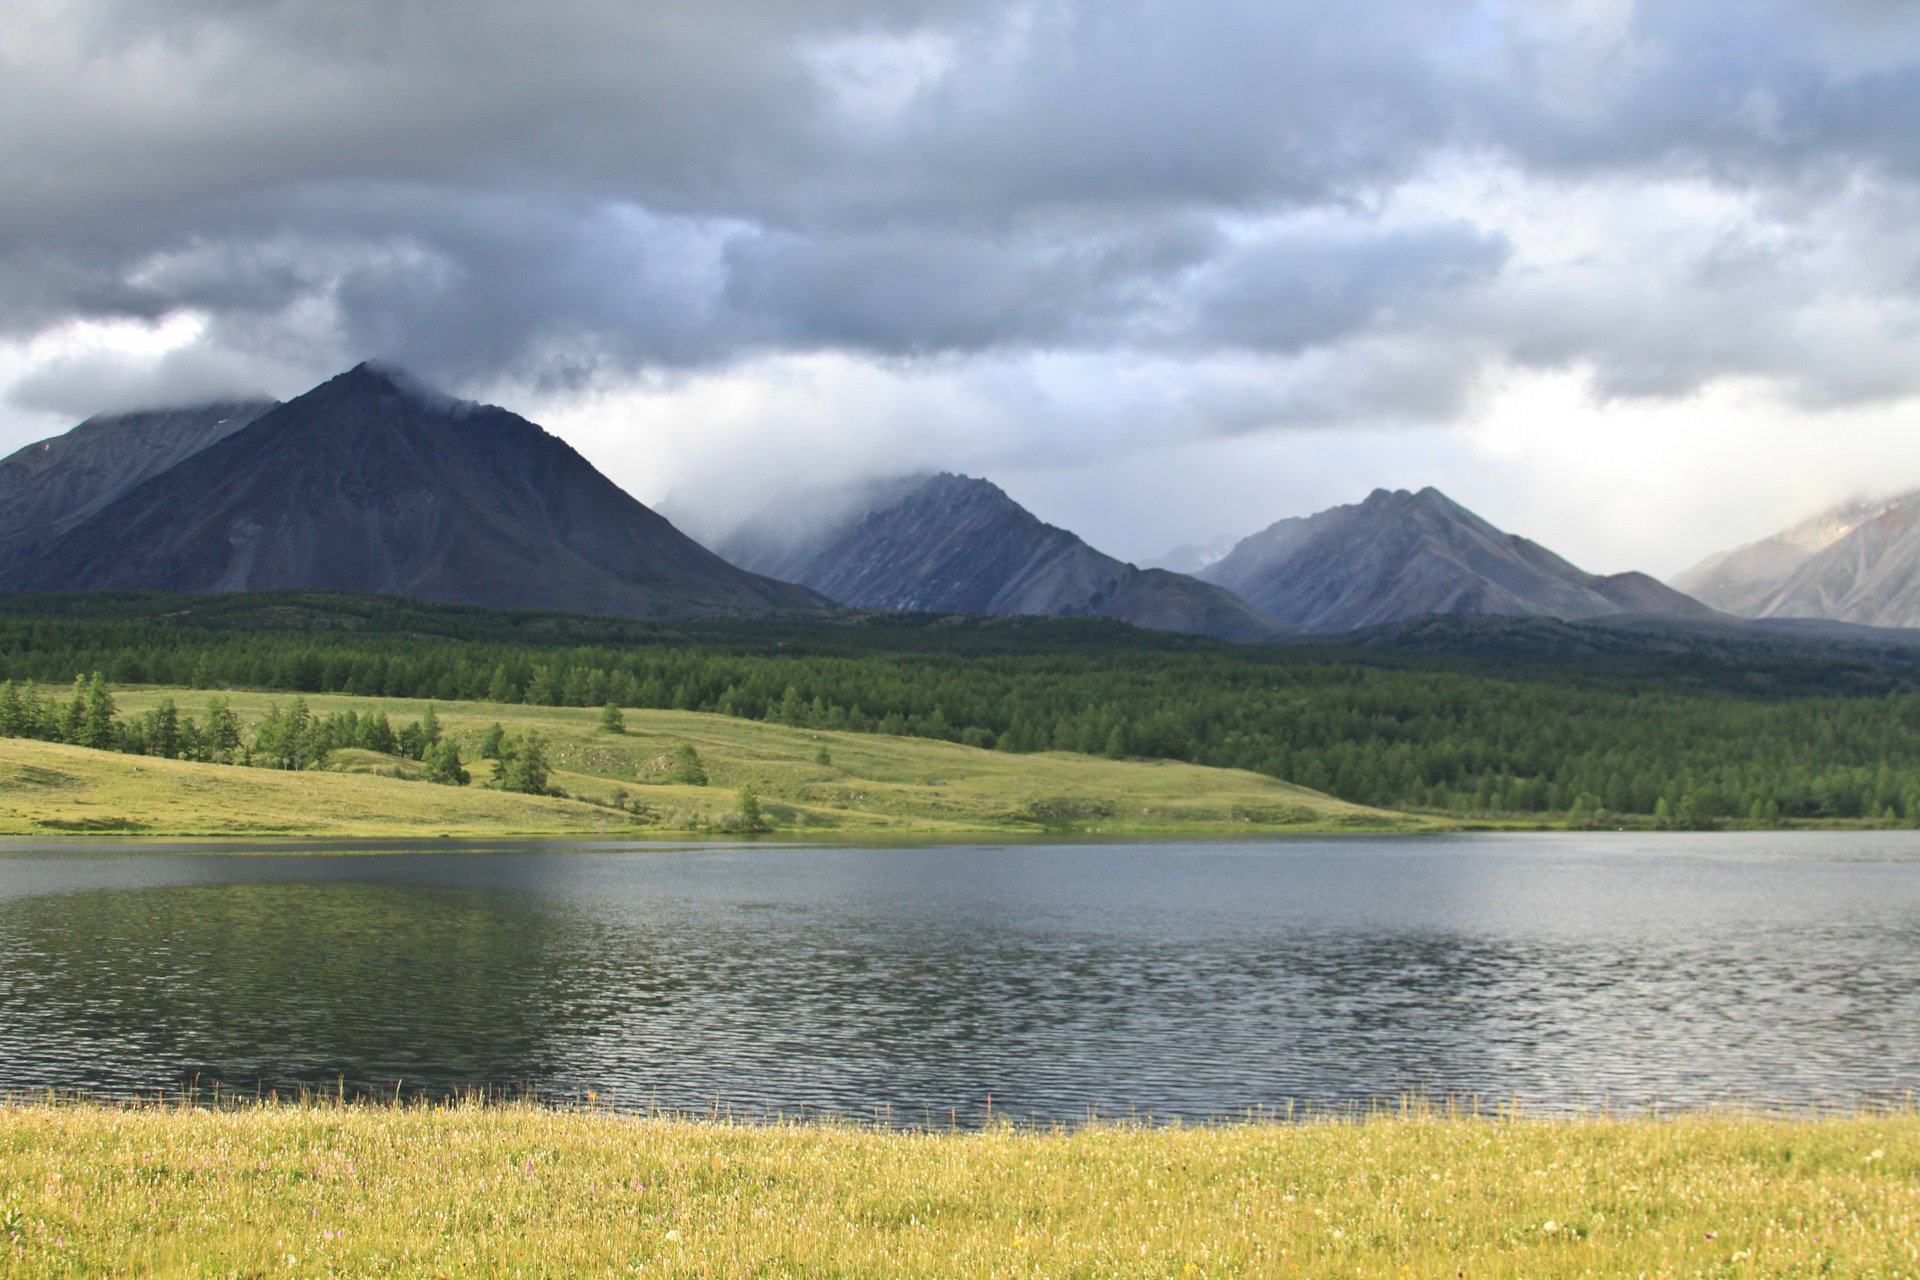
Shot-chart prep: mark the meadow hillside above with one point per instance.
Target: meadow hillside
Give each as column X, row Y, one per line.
column 1530, row 721
column 303, row 1190
column 631, row 783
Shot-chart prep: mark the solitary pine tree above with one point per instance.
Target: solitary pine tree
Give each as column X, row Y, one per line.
column 687, row 766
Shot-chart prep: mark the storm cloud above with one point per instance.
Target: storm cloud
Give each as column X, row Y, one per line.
column 1384, row 201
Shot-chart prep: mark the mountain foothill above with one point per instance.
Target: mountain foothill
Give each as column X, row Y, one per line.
column 374, row 483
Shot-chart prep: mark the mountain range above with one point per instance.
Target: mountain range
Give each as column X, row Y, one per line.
column 957, row 544
column 1856, row 563
column 371, row 482
column 368, row 482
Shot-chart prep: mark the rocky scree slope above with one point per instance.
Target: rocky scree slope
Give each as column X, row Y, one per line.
column 1856, row 563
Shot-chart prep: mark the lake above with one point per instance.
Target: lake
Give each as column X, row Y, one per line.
column 927, row 984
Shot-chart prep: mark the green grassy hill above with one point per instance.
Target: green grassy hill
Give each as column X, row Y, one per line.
column 625, row 784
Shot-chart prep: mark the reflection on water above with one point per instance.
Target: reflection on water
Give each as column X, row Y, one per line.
column 1192, row 979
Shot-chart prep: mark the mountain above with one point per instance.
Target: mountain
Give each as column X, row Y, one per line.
column 956, row 544
column 51, row 485
column 1400, row 554
column 370, row 482
column 1869, row 575
column 1741, row 581
column 1192, row 557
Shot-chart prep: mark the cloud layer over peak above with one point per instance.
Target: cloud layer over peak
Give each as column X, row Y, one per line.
column 1384, row 205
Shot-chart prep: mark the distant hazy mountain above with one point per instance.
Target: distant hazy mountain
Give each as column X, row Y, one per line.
column 1869, row 575
column 1752, row 580
column 1192, row 557
column 51, row 485
column 953, row 543
column 1400, row 554
column 371, row 483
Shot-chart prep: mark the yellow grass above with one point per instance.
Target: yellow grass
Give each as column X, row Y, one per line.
column 471, row 1191
column 874, row 785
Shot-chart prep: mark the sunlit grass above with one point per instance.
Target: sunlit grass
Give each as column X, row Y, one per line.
column 619, row 784
column 496, row 1191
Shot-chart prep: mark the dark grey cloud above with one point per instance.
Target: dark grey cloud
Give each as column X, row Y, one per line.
column 587, row 188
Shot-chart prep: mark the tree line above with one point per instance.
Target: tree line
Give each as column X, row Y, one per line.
column 1546, row 740
column 294, row 738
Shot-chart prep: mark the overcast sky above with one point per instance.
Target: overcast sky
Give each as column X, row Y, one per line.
column 1639, row 280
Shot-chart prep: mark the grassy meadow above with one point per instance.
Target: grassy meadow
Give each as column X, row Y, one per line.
column 323, row 1190
column 624, row 784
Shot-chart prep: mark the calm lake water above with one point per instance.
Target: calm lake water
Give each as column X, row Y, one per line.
column 1190, row 979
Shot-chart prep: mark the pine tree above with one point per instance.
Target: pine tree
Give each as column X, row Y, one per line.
column 378, row 734
column 163, row 730
column 523, row 764
column 13, row 719
column 490, row 741
column 95, row 721
column 500, row 688
column 687, row 767
column 223, row 731
column 612, row 719
column 750, row 808
column 443, row 765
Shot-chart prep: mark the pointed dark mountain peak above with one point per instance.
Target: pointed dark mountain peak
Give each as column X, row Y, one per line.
column 372, row 482
column 375, row 380
column 956, row 543
column 1398, row 554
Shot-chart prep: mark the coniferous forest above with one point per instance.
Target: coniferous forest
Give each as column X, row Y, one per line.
column 1687, row 738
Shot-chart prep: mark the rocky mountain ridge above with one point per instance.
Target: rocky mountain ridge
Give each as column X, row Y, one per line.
column 1855, row 563
column 1398, row 555
column 370, row 482
column 1741, row 581
column 49, row 486
column 959, row 544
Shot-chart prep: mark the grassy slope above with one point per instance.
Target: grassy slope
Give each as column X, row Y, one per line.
column 874, row 785
column 466, row 1191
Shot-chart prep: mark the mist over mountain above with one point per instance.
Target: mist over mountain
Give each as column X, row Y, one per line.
column 368, row 482
column 954, row 543
column 1857, row 563
column 1192, row 557
column 1400, row 554
column 51, row 485
column 1862, row 583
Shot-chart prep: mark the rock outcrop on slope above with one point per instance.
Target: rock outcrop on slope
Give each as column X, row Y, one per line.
column 956, row 544
column 1399, row 554
column 51, row 485
column 372, row 483
column 1743, row 580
